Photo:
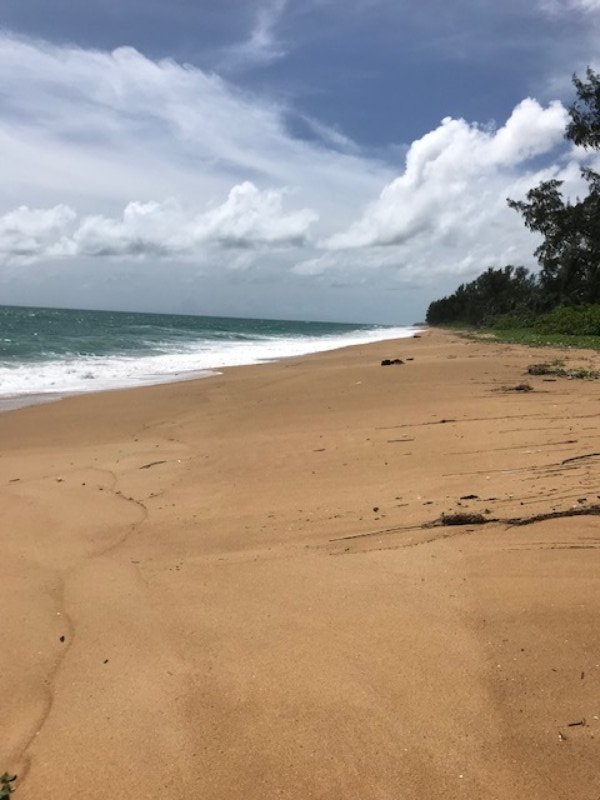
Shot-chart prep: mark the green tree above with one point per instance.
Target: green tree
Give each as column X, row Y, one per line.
column 584, row 127
column 496, row 292
column 570, row 251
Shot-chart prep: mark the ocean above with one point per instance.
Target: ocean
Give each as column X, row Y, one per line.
column 47, row 353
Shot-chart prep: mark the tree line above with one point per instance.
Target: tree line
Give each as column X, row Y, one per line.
column 569, row 255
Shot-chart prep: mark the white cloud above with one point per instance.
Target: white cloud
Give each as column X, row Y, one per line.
column 262, row 46
column 252, row 217
column 94, row 144
column 555, row 7
column 248, row 218
column 101, row 128
column 449, row 171
column 447, row 213
column 27, row 232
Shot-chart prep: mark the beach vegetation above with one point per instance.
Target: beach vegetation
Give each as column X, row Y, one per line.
column 529, row 337
column 575, row 321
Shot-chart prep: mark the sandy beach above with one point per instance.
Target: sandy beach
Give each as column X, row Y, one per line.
column 235, row 587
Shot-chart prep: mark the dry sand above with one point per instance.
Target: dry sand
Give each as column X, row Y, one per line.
column 252, row 608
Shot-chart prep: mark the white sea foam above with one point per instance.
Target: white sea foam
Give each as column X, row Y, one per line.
column 20, row 383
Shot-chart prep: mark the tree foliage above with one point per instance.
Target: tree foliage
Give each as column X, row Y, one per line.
column 584, row 127
column 569, row 254
column 508, row 291
column 570, row 251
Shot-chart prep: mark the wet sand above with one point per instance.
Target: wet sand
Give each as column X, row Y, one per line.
column 232, row 587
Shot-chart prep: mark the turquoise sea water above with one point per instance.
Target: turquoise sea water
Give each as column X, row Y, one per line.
column 47, row 351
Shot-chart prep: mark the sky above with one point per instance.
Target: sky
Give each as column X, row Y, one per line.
column 343, row 161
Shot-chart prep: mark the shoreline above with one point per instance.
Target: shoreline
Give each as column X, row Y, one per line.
column 16, row 402
column 240, row 588
column 11, row 402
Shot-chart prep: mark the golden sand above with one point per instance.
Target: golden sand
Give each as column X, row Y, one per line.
column 230, row 588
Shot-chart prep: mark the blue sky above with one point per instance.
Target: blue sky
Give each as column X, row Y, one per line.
column 319, row 160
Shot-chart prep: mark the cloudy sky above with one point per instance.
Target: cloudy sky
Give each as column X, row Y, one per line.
column 315, row 160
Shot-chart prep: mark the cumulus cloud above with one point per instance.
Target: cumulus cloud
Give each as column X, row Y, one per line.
column 446, row 214
column 27, row 232
column 253, row 217
column 249, row 218
column 448, row 173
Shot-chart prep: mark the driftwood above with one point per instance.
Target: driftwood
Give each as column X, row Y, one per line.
column 460, row 519
column 583, row 511
column 466, row 518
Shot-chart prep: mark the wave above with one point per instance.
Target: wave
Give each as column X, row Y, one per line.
column 172, row 361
